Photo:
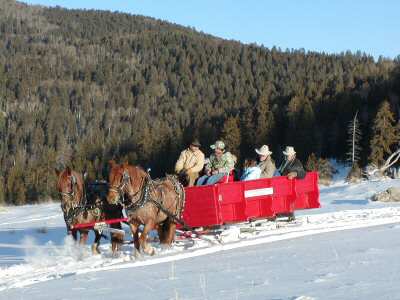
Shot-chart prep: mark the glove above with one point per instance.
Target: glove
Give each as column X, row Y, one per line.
column 292, row 175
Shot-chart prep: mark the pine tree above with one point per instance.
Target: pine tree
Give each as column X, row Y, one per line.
column 322, row 166
column 231, row 135
column 385, row 134
column 2, row 191
column 265, row 121
column 248, row 133
column 312, row 163
column 300, row 115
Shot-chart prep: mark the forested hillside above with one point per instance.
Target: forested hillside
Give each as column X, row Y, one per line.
column 81, row 87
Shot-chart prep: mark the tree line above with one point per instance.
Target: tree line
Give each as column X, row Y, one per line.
column 81, row 87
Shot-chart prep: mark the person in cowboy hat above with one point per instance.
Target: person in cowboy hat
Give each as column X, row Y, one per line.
column 220, row 164
column 267, row 165
column 291, row 166
column 190, row 162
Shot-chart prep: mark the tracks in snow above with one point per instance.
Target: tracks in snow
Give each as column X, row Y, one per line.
column 52, row 262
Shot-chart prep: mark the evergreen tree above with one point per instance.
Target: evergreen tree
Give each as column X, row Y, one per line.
column 231, row 135
column 265, row 121
column 2, row 191
column 384, row 136
column 248, row 131
column 300, row 131
column 312, row 163
column 322, row 166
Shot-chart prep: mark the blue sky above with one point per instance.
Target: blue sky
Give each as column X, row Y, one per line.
column 330, row 26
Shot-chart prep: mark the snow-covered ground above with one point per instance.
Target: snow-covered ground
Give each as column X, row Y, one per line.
column 347, row 249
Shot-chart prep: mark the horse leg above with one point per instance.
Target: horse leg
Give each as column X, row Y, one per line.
column 83, row 237
column 135, row 238
column 161, row 232
column 135, row 235
column 170, row 232
column 116, row 241
column 74, row 234
column 143, row 238
column 96, row 243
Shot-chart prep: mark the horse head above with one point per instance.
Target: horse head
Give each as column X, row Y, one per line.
column 125, row 180
column 70, row 187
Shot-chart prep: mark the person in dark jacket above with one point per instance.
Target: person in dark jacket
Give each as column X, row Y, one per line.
column 291, row 166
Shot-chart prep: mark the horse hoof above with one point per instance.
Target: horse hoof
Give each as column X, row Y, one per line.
column 166, row 246
column 115, row 254
column 149, row 250
column 95, row 250
column 137, row 254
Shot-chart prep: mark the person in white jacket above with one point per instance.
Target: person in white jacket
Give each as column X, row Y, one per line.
column 251, row 170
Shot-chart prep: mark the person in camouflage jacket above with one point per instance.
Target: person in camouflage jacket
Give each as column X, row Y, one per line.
column 220, row 164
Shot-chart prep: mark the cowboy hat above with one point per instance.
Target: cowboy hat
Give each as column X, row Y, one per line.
column 219, row 145
column 195, row 143
column 264, row 150
column 289, row 151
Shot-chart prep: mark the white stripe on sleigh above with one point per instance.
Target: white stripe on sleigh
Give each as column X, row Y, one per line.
column 259, row 192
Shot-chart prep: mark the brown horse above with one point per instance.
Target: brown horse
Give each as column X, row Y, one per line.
column 70, row 185
column 154, row 204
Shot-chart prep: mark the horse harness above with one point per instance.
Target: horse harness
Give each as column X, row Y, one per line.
column 146, row 189
column 119, row 189
column 180, row 201
column 70, row 213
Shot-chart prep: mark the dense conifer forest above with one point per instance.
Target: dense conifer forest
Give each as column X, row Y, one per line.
column 82, row 87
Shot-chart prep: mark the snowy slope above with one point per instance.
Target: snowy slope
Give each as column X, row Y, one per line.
column 37, row 262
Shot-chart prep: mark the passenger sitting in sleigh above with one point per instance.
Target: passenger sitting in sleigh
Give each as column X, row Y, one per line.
column 251, row 170
column 267, row 165
column 220, row 164
column 291, row 166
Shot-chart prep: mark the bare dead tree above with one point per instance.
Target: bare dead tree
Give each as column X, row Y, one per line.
column 378, row 171
column 353, row 141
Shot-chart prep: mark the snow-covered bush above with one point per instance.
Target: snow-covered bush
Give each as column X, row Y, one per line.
column 355, row 174
column 323, row 167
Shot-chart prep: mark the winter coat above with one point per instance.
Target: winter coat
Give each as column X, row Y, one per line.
column 223, row 164
column 292, row 166
column 191, row 162
column 251, row 173
column 267, row 168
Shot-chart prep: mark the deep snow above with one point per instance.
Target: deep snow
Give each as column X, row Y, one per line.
column 321, row 258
